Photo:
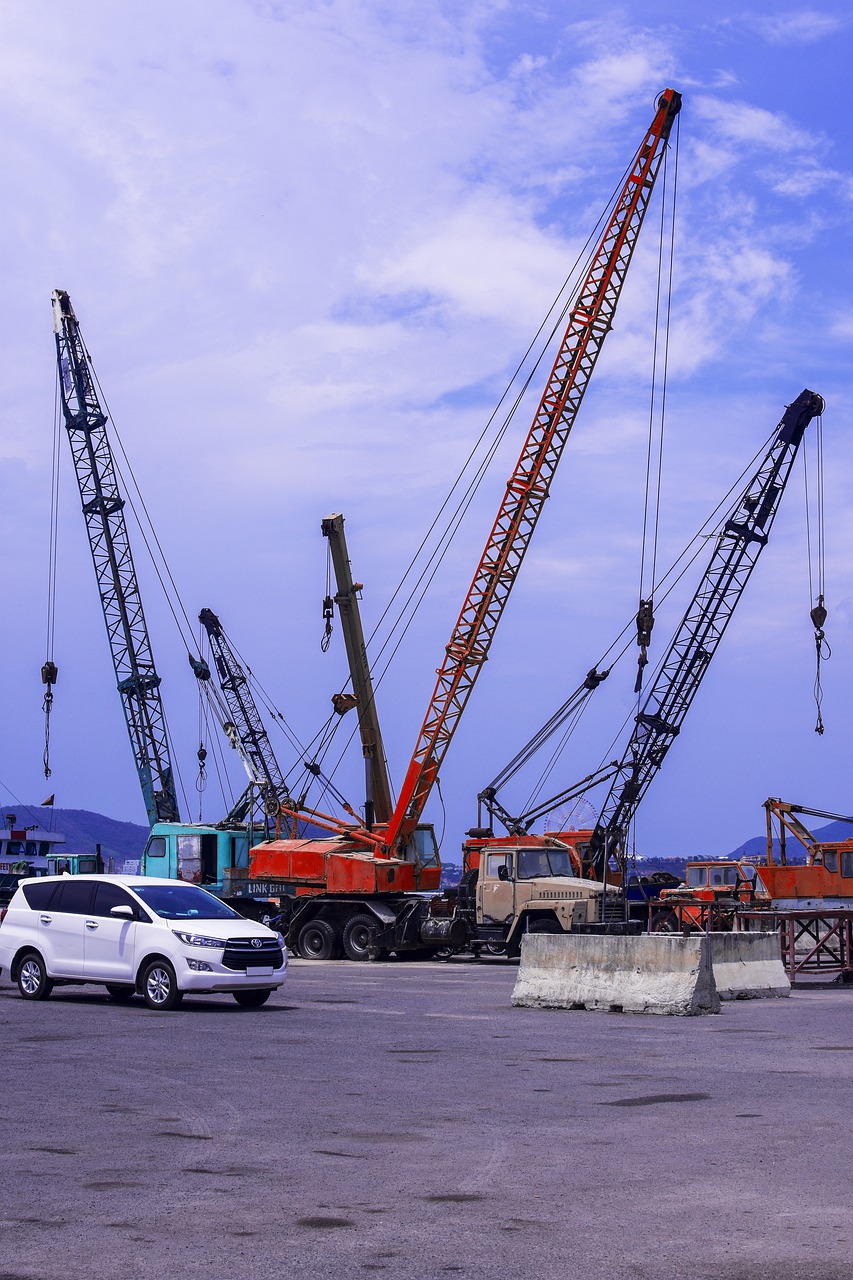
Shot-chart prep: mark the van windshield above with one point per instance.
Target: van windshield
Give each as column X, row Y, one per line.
column 533, row 863
column 183, row 902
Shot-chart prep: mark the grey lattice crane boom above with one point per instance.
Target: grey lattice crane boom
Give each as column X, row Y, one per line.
column 103, row 509
column 253, row 739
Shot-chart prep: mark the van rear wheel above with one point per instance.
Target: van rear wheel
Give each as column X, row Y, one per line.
column 33, row 982
column 120, row 993
column 252, row 999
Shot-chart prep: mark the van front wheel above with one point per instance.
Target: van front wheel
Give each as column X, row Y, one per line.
column 160, row 986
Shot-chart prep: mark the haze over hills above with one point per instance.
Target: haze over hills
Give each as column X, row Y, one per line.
column 122, row 841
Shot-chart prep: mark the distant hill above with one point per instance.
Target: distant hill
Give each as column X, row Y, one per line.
column 756, row 847
column 83, row 830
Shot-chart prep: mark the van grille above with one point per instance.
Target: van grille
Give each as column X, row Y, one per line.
column 241, row 953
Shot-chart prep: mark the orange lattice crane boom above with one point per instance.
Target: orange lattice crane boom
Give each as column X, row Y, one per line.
column 528, row 486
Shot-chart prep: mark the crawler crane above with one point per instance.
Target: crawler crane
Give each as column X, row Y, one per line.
column 600, row 853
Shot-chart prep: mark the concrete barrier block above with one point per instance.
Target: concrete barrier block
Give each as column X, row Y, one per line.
column 647, row 973
column 748, row 966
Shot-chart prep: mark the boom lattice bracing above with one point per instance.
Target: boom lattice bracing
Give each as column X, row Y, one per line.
column 255, row 746
column 735, row 554
column 103, row 509
column 589, row 321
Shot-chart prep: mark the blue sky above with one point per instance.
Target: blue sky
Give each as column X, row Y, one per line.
column 306, row 244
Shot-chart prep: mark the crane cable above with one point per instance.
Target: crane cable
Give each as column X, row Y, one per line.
column 446, row 531
column 817, row 568
column 656, row 431
column 49, row 671
column 572, row 708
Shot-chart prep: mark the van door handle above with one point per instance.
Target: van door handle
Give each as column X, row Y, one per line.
column 46, row 919
column 91, row 924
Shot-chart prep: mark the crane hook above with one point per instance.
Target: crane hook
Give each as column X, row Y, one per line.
column 823, row 652
column 49, row 672
column 645, row 622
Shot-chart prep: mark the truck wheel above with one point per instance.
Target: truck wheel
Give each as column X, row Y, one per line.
column 318, row 940
column 544, row 926
column 33, row 982
column 160, row 986
column 357, row 935
column 665, row 922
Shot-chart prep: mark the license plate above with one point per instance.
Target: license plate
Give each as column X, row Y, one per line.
column 266, row 972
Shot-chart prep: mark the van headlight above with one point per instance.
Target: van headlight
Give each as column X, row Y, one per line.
column 198, row 940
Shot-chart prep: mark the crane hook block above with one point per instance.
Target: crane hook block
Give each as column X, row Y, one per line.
column 645, row 622
column 818, row 616
column 49, row 672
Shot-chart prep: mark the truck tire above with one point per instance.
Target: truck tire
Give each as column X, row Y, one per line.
column 358, row 932
column 665, row 922
column 544, row 926
column 319, row 940
column 33, row 982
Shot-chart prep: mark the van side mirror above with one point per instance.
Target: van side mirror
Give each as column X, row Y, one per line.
column 503, row 872
column 122, row 912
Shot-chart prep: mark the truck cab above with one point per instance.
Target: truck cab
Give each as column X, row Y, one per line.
column 196, row 853
column 708, row 883
column 75, row 864
column 528, row 884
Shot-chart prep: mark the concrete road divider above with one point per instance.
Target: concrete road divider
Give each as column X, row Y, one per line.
column 660, row 973
column 748, row 966
column 644, row 973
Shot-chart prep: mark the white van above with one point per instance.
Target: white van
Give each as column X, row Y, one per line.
column 135, row 934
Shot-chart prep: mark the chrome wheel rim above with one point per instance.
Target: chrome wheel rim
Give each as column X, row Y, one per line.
column 30, row 977
column 158, row 986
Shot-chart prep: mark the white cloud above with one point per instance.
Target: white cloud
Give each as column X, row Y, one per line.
column 804, row 26
column 747, row 125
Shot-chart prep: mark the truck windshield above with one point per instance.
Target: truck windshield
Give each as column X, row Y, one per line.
column 183, row 902
column 533, row 863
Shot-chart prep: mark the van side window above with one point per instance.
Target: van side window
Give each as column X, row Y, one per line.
column 73, row 896
column 109, row 895
column 38, row 896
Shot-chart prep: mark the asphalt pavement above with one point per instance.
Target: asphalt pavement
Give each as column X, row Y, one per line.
column 404, row 1119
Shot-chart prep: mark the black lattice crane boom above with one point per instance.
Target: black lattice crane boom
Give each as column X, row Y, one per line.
column 103, row 509
column 736, row 551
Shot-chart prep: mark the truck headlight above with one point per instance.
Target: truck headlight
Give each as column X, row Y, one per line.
column 198, row 940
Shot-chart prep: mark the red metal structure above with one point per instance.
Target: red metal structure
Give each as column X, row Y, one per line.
column 528, row 486
column 391, row 849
